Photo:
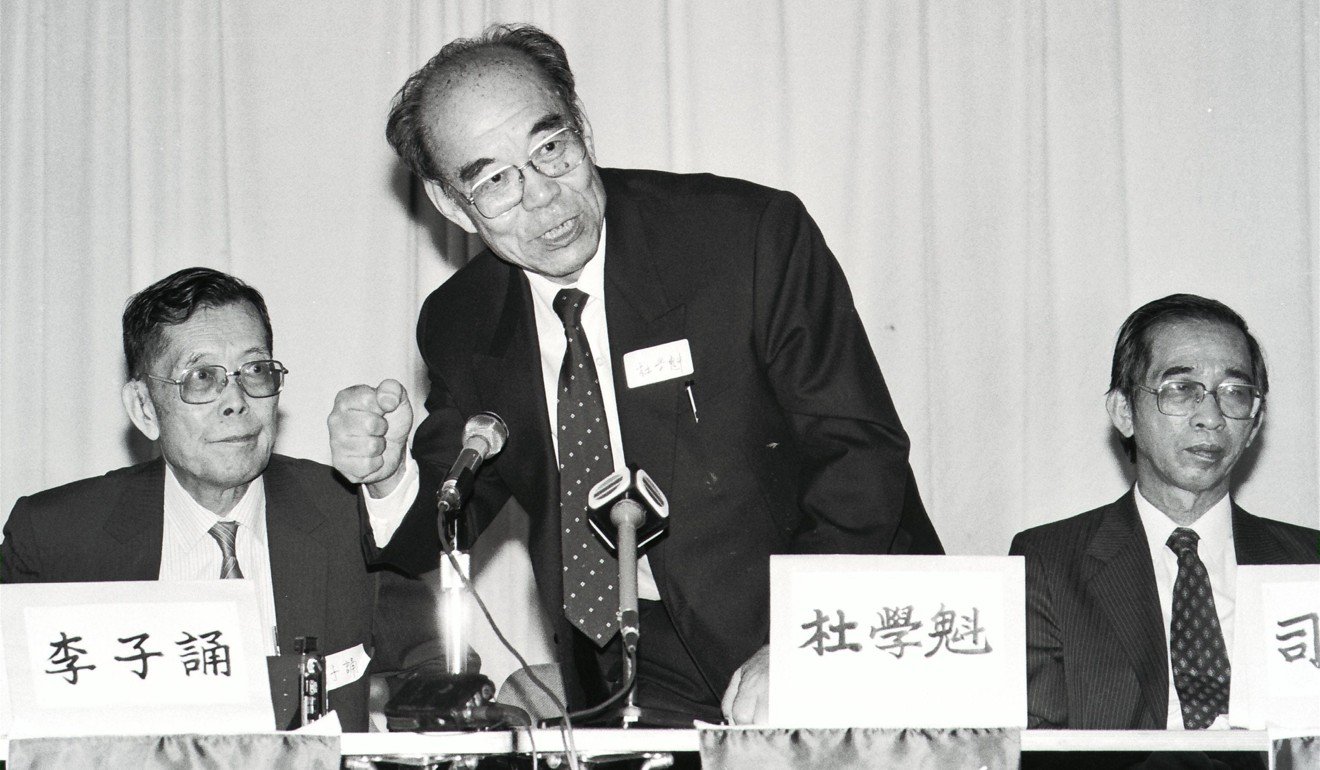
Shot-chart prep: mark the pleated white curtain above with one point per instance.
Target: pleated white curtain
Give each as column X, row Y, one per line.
column 1002, row 181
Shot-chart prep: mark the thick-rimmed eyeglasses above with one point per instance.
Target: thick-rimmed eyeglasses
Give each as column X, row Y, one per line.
column 1179, row 398
column 502, row 189
column 204, row 384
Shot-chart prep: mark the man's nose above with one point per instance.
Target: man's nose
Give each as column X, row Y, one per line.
column 538, row 189
column 233, row 399
column 1208, row 414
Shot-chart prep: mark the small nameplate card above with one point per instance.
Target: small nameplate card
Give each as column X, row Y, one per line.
column 658, row 363
column 897, row 641
column 1276, row 648
column 135, row 658
column 345, row 667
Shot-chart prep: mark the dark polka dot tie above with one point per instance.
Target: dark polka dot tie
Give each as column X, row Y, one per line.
column 1196, row 643
column 226, row 534
column 590, row 572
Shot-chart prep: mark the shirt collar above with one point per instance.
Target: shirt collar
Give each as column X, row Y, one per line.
column 591, row 280
column 193, row 521
column 1215, row 527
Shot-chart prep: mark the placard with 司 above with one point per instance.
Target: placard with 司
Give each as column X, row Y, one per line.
column 897, row 641
column 135, row 658
column 1276, row 648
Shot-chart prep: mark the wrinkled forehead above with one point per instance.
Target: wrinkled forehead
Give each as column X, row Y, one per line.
column 211, row 331
column 477, row 103
column 1187, row 346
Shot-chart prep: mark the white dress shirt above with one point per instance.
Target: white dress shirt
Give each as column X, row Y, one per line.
column 386, row 512
column 188, row 552
column 1215, row 547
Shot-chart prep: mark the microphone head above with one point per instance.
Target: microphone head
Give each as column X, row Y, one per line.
column 489, row 428
column 630, row 483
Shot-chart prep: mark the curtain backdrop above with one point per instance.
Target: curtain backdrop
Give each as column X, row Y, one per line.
column 1003, row 182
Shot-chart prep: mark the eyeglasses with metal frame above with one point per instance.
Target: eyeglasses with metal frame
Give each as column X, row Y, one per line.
column 204, row 384
column 1179, row 398
column 502, row 189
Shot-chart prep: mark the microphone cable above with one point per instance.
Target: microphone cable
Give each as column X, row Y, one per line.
column 566, row 726
column 588, row 713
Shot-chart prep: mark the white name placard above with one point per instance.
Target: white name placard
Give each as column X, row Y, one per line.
column 897, row 641
column 135, row 658
column 1276, row 648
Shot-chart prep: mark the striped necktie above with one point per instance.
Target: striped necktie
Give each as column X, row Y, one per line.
column 226, row 535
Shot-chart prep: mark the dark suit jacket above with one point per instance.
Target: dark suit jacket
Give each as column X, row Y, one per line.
column 797, row 449
column 110, row 528
column 1097, row 654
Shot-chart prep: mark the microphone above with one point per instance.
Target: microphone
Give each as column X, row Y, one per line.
column 628, row 512
column 484, row 435
column 483, row 438
column 631, row 483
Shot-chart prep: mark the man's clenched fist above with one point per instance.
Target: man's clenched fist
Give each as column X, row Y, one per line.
column 368, row 434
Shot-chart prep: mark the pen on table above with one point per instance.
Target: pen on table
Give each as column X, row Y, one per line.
column 692, row 400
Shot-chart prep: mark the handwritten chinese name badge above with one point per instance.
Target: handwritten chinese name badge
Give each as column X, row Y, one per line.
column 658, row 363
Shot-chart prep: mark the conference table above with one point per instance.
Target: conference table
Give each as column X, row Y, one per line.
column 358, row 748
column 609, row 741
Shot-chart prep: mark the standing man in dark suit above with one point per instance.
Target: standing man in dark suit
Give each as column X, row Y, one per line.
column 1126, row 599
column 695, row 326
column 218, row 503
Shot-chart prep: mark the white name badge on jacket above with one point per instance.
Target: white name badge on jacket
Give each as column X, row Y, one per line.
column 658, row 363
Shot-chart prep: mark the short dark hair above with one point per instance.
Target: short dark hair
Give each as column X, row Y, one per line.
column 1132, row 351
column 173, row 300
column 406, row 129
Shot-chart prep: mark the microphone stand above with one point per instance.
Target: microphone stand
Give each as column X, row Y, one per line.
column 451, row 590
column 446, row 695
column 627, row 515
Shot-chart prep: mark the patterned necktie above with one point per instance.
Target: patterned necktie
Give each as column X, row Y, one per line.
column 590, row 596
column 226, row 534
column 1196, row 643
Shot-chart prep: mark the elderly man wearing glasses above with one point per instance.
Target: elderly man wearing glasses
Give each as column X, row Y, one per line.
column 1130, row 606
column 217, row 504
column 695, row 326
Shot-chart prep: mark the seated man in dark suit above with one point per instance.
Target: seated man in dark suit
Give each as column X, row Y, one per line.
column 1113, row 592
column 218, row 504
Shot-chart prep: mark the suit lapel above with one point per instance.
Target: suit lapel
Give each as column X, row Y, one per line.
column 507, row 370
column 640, row 315
column 136, row 526
column 1253, row 543
column 297, row 558
column 1120, row 576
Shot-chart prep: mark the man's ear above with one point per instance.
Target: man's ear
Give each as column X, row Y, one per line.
column 1120, row 412
column 584, row 130
column 448, row 206
column 141, row 409
column 1256, row 423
